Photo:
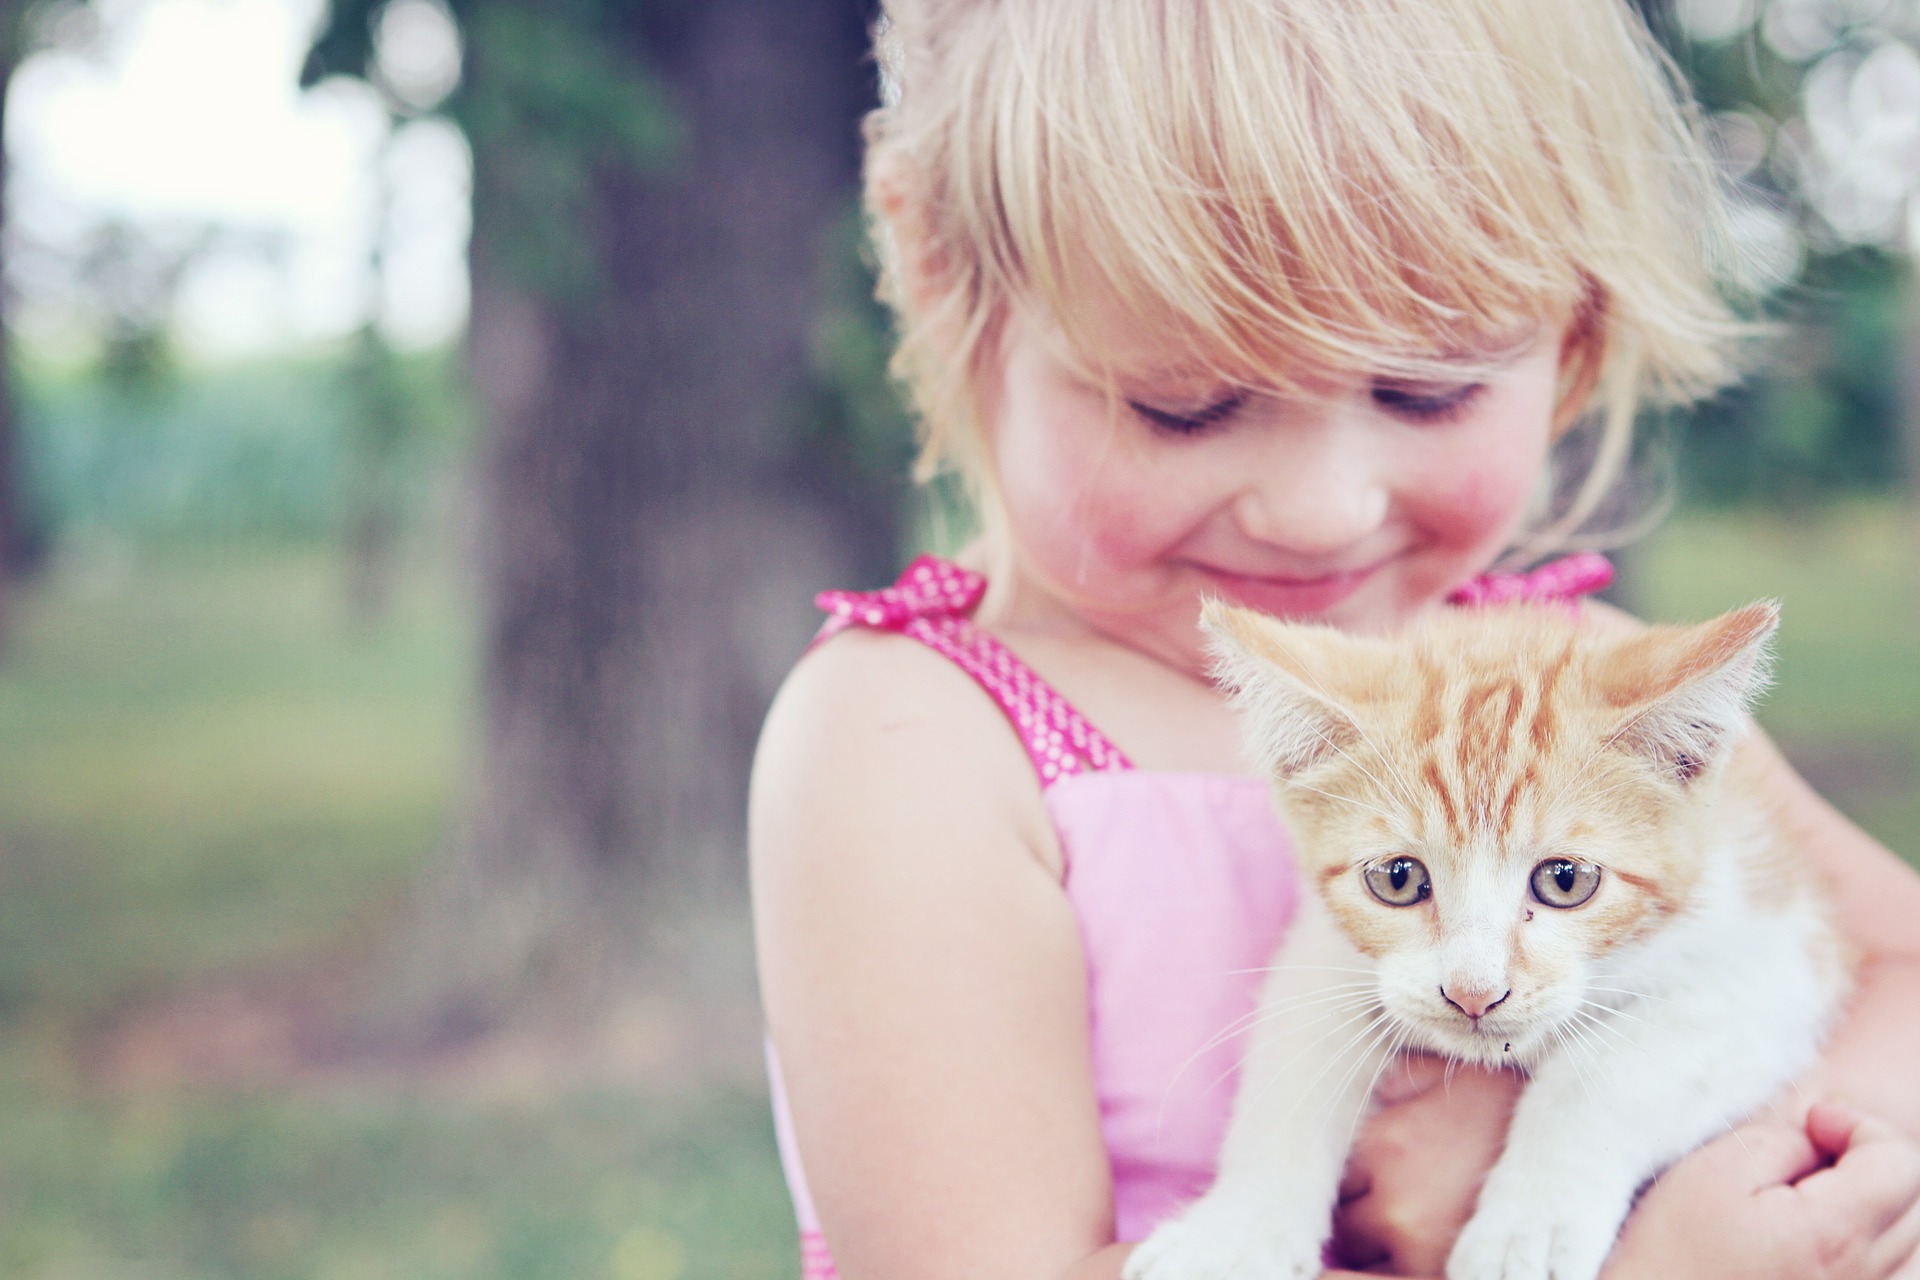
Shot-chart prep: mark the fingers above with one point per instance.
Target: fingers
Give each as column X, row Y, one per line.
column 1408, row 1076
column 1414, row 1075
column 1874, row 1184
column 1755, row 1157
column 1896, row 1253
column 1372, row 1232
column 1417, row 1163
column 1830, row 1125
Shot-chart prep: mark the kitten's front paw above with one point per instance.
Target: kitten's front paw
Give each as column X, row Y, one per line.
column 1543, row 1241
column 1212, row 1241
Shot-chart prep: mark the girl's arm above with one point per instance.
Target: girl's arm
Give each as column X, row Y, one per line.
column 1869, row 1060
column 923, row 975
column 1869, row 1063
column 923, row 978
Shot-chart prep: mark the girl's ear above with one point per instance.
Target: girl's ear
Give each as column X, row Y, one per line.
column 897, row 194
column 1687, row 689
column 1281, row 675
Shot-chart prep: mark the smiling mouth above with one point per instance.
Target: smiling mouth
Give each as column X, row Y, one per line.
column 1287, row 596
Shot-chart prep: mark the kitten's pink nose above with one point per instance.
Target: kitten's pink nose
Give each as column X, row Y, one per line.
column 1475, row 1002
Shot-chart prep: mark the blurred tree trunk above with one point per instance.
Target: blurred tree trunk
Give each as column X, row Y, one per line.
column 649, row 536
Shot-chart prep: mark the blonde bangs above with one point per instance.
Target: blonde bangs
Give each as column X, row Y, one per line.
column 1270, row 187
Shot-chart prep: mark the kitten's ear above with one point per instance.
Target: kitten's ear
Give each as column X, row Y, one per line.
column 1689, row 687
column 1279, row 674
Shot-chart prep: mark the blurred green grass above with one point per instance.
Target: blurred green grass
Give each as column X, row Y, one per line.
column 393, row 1188
column 1845, row 703
column 207, row 772
column 202, row 765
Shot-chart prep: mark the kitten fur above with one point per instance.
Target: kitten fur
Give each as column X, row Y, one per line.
column 1519, row 759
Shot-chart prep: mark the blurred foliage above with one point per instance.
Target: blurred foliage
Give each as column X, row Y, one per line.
column 564, row 96
column 1822, row 413
column 560, row 96
column 850, row 419
column 555, row 105
column 388, row 411
column 131, row 279
column 270, row 448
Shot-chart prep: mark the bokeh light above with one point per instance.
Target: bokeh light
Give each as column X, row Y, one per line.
column 187, row 113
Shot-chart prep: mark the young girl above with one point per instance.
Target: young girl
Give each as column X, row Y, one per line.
column 1303, row 304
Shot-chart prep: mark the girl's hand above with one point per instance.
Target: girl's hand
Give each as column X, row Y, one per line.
column 1417, row 1164
column 1837, row 1201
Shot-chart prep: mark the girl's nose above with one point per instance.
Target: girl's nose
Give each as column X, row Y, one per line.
column 1319, row 493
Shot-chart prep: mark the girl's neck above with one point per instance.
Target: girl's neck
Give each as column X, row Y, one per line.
column 1165, row 717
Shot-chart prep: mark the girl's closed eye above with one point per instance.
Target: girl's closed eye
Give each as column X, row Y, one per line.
column 1180, row 421
column 1426, row 402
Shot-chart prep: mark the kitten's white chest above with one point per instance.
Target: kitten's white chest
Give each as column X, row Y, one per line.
column 1686, row 1035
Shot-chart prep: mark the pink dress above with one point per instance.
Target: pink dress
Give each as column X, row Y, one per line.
column 1182, row 885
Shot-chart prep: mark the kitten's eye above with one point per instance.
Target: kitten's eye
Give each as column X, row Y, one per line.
column 1561, row 882
column 1400, row 882
column 1426, row 403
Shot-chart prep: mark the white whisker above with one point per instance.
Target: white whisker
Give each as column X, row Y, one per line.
column 1290, row 968
column 1311, row 1046
column 1352, row 800
column 1618, row 1013
column 1623, row 991
column 1359, row 1038
column 1402, row 788
column 1397, row 1042
column 1340, row 1001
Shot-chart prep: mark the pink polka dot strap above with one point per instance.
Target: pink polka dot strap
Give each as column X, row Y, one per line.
column 815, row 1262
column 1561, row 581
column 933, row 602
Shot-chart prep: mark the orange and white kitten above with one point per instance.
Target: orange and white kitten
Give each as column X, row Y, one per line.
column 1532, row 845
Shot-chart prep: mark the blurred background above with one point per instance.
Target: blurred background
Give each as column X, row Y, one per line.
column 424, row 426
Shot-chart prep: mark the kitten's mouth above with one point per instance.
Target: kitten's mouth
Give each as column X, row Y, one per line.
column 1491, row 1041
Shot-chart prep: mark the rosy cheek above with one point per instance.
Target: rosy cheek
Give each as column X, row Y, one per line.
column 1483, row 493
column 1077, row 509
column 1472, row 505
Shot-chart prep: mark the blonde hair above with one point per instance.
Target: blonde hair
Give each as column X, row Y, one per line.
column 1276, row 185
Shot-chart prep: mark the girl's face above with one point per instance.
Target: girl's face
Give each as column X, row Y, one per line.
column 1355, row 503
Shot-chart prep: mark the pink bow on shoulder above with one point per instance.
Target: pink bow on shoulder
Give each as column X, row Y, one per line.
column 1562, row 580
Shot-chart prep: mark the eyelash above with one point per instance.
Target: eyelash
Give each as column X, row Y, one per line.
column 1427, row 406
column 1435, row 407
column 1188, row 424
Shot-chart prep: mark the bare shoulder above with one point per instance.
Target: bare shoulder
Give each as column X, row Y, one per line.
column 875, row 733
column 921, row 971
